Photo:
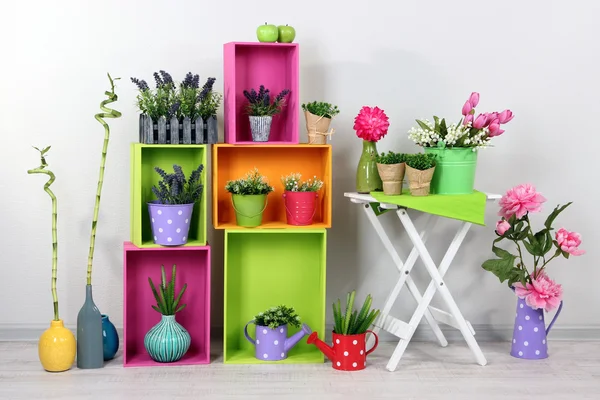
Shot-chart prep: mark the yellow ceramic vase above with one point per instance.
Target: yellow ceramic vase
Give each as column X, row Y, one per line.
column 57, row 347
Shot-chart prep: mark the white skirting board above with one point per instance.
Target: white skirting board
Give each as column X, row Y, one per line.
column 485, row 333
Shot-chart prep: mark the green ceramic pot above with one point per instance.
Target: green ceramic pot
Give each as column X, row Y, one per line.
column 367, row 175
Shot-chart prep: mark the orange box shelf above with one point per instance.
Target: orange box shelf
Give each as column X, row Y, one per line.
column 232, row 162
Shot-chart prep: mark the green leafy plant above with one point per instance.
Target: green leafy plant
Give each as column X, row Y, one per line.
column 189, row 100
column 252, row 183
column 277, row 316
column 321, row 109
column 41, row 170
column 391, row 158
column 294, row 183
column 108, row 113
column 262, row 104
column 353, row 322
column 175, row 189
column 166, row 302
column 421, row 161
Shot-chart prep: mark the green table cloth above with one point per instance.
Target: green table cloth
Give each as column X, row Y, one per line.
column 463, row 207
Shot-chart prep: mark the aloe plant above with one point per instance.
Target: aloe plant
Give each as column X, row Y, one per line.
column 41, row 170
column 108, row 113
column 353, row 322
column 166, row 302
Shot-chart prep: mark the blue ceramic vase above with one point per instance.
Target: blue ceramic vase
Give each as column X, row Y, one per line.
column 110, row 338
column 167, row 341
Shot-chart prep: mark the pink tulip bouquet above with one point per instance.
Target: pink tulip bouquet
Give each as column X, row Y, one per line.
column 538, row 290
column 471, row 131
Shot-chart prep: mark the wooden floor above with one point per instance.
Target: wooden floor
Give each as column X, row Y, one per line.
column 426, row 372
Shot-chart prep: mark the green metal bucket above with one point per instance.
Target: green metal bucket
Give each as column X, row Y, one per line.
column 249, row 209
column 454, row 171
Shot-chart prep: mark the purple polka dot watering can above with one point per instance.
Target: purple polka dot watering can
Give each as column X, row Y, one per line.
column 530, row 332
column 273, row 344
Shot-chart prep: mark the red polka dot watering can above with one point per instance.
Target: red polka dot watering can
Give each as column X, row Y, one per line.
column 348, row 353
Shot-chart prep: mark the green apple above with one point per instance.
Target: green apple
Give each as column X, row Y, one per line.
column 286, row 34
column 267, row 33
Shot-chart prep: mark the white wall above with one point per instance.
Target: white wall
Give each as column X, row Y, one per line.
column 411, row 58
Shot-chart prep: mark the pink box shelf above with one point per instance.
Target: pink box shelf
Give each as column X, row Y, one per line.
column 193, row 268
column 249, row 65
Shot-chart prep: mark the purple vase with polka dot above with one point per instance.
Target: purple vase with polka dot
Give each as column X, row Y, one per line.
column 273, row 344
column 530, row 334
column 170, row 222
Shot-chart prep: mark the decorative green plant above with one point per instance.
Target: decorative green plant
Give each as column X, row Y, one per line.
column 353, row 322
column 190, row 100
column 293, row 183
column 321, row 109
column 41, row 170
column 261, row 104
column 108, row 113
column 277, row 316
column 421, row 161
column 391, row 158
column 253, row 183
column 166, row 302
column 175, row 189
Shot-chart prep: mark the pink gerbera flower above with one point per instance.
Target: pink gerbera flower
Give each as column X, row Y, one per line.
column 543, row 292
column 520, row 200
column 371, row 124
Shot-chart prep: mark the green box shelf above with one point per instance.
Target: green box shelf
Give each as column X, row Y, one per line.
column 144, row 157
column 270, row 267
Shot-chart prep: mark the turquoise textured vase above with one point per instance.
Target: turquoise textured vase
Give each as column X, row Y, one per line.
column 167, row 341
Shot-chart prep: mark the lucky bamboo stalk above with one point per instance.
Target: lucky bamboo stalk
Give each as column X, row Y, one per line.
column 108, row 113
column 41, row 170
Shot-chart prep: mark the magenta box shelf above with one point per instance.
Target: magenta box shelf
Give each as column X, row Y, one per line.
column 249, row 65
column 193, row 268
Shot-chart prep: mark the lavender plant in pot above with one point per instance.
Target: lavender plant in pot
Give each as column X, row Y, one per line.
column 171, row 213
column 261, row 109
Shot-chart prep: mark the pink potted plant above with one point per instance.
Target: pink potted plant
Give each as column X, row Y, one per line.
column 536, row 292
column 456, row 145
column 300, row 198
column 371, row 124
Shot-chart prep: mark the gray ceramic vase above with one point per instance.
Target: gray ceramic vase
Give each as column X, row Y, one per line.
column 260, row 128
column 90, row 346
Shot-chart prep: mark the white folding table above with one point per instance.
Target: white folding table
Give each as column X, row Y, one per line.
column 433, row 316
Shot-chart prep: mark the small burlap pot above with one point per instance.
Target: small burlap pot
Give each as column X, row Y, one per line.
column 419, row 182
column 317, row 128
column 391, row 175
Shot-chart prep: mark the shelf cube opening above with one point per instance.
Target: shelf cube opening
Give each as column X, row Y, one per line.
column 233, row 162
column 268, row 268
column 249, row 65
column 144, row 157
column 193, row 268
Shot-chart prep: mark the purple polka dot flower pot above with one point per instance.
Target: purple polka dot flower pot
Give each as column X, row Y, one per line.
column 530, row 333
column 170, row 222
column 273, row 344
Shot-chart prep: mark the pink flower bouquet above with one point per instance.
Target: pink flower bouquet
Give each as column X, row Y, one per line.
column 471, row 131
column 538, row 290
column 371, row 124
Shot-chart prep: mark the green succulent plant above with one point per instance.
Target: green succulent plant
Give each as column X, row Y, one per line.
column 421, row 161
column 353, row 322
column 391, row 158
column 166, row 302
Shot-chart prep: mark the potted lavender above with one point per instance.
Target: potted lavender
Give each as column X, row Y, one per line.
column 261, row 111
column 173, row 114
column 171, row 213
